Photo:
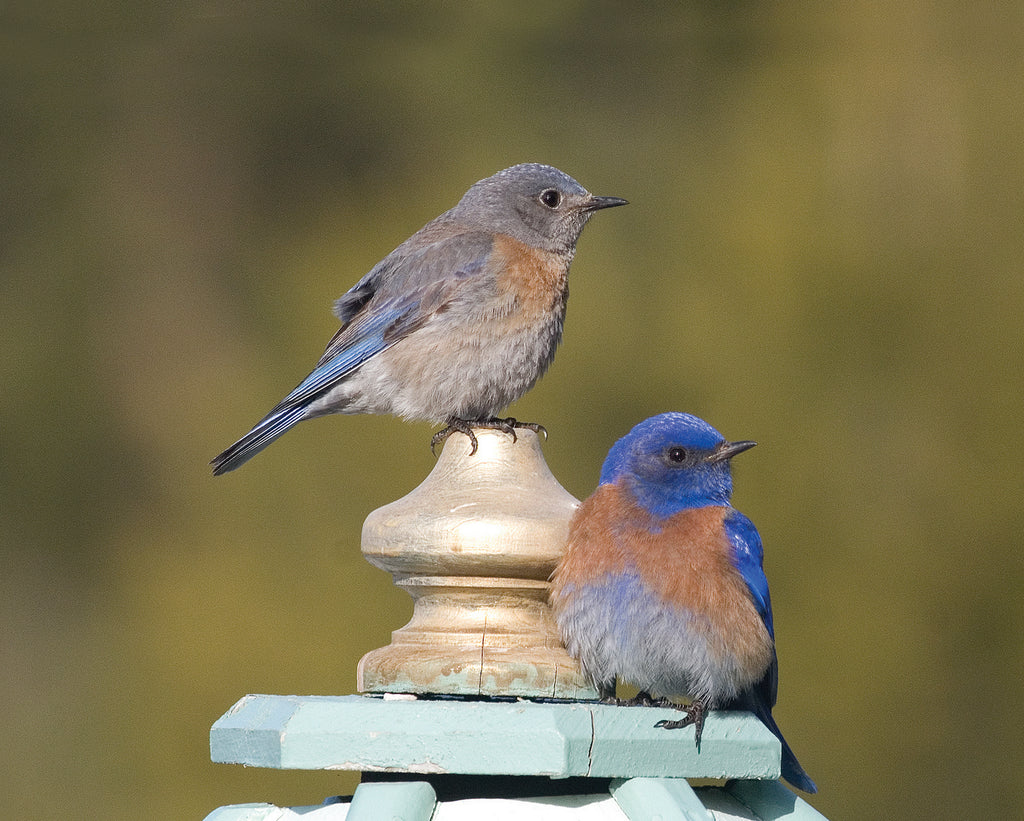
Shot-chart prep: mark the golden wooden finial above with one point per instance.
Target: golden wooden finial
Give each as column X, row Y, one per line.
column 474, row 546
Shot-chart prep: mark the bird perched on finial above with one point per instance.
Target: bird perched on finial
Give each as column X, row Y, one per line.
column 457, row 322
column 662, row 585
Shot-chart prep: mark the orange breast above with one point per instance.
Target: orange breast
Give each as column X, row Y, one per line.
column 685, row 560
column 539, row 279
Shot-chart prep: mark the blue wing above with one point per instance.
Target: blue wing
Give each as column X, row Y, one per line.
column 398, row 296
column 748, row 555
column 374, row 331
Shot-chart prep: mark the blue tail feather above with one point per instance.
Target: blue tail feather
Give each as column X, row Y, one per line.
column 273, row 426
column 791, row 770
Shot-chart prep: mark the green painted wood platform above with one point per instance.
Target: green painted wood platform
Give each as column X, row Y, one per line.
column 559, row 740
column 636, row 770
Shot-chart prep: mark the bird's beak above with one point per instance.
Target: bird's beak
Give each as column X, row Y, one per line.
column 597, row 203
column 727, row 450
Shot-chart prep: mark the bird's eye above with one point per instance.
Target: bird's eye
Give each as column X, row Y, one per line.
column 551, row 198
column 677, row 455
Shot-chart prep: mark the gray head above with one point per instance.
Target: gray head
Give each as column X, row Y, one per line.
column 536, row 204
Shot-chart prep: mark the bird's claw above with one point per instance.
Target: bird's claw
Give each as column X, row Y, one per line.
column 645, row 699
column 455, row 426
column 466, row 426
column 641, row 699
column 695, row 713
column 509, row 426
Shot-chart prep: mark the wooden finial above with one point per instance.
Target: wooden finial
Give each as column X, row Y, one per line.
column 474, row 546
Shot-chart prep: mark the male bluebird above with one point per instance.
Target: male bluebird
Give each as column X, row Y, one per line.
column 662, row 585
column 457, row 322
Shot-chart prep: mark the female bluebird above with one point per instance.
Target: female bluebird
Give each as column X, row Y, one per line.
column 662, row 585
column 457, row 322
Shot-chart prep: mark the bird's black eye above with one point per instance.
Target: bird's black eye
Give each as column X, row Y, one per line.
column 676, row 454
column 551, row 198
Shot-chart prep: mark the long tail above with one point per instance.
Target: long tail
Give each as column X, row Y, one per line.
column 757, row 703
column 265, row 432
column 791, row 769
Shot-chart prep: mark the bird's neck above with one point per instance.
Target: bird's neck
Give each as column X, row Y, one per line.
column 664, row 501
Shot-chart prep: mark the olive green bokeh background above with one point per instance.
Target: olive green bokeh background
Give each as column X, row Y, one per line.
column 823, row 253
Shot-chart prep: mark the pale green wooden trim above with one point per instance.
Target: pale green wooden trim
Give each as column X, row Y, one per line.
column 637, row 799
column 245, row 812
column 487, row 738
column 772, row 801
column 405, row 801
column 627, row 743
column 366, row 734
column 666, row 799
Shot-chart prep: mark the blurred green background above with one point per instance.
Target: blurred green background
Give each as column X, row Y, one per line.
column 823, row 253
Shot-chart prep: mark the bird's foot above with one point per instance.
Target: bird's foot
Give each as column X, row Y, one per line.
column 649, row 701
column 645, row 699
column 695, row 713
column 641, row 699
column 510, row 425
column 455, row 426
column 466, row 426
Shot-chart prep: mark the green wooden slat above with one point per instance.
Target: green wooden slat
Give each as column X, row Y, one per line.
column 406, row 801
column 773, row 802
column 663, row 799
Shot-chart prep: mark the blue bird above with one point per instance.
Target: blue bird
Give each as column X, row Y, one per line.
column 662, row 583
column 457, row 322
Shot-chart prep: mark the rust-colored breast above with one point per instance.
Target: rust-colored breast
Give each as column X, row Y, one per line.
column 685, row 560
column 595, row 547
column 537, row 278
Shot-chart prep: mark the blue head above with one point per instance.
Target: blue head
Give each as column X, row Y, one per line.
column 672, row 462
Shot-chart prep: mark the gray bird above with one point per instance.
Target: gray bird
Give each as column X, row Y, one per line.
column 457, row 322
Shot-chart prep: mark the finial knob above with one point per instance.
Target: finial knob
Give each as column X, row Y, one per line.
column 474, row 546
